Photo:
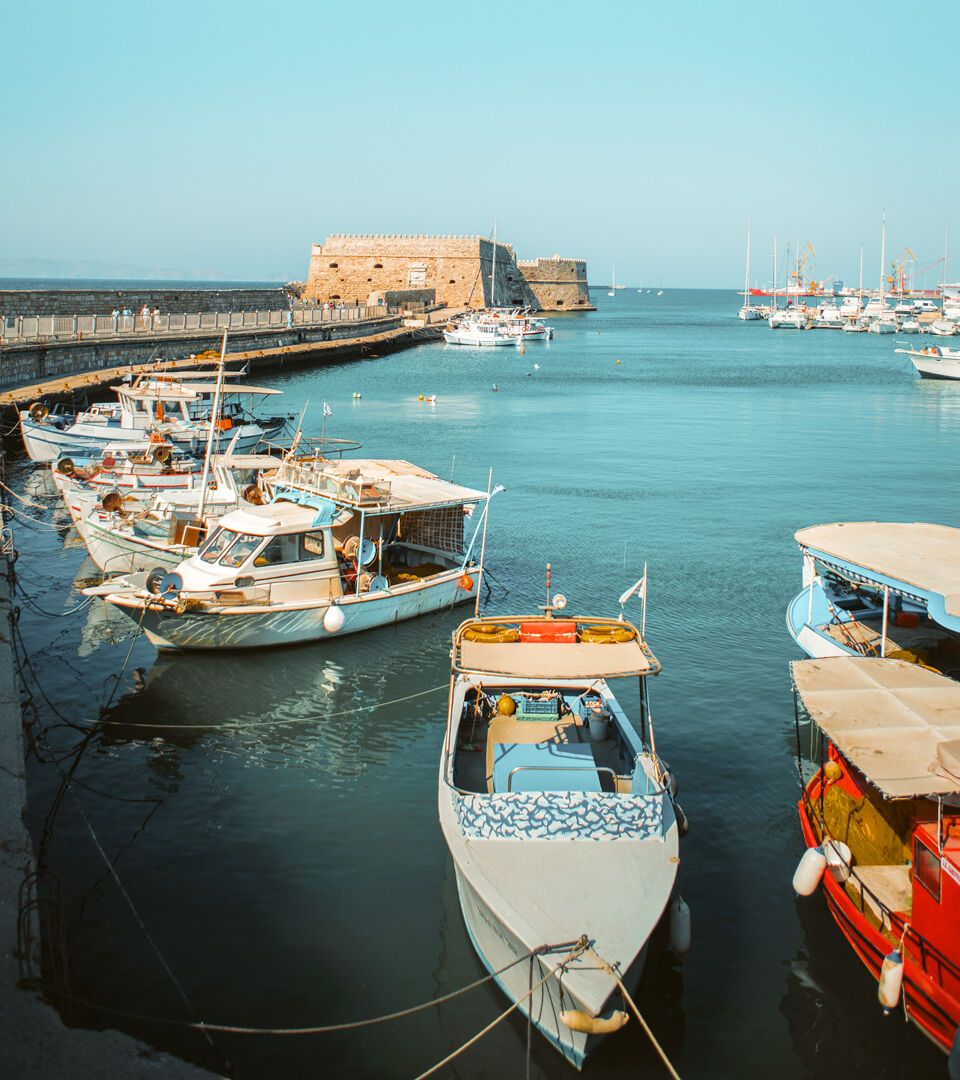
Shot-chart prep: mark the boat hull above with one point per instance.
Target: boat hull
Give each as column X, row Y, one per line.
column 451, row 337
column 116, row 553
column 936, row 367
column 252, row 628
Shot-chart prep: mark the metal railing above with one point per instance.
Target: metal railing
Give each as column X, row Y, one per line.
column 28, row 328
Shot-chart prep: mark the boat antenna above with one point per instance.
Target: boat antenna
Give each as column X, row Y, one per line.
column 214, row 421
column 548, row 589
column 483, row 542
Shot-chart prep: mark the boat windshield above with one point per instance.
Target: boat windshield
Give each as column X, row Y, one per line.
column 229, row 548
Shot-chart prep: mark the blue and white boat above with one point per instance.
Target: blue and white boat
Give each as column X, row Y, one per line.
column 344, row 546
column 874, row 588
column 559, row 817
column 177, row 410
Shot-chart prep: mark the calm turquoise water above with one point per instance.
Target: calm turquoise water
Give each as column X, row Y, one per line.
column 292, row 872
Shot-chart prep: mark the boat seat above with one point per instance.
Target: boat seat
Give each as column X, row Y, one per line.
column 508, row 729
column 546, row 766
column 890, row 888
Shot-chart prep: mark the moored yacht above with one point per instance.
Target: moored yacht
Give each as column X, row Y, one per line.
column 478, row 330
column 935, row 361
column 559, row 816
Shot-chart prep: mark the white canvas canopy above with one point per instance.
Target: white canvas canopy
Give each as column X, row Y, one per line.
column 916, row 553
column 896, row 722
column 173, row 392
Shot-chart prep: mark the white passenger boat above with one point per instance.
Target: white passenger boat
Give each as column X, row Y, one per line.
column 875, row 588
column 478, row 331
column 169, row 409
column 935, row 361
column 558, row 815
column 345, row 546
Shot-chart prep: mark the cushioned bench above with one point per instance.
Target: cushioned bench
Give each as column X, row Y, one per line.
column 557, row 767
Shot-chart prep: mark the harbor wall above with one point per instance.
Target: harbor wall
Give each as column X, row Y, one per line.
column 458, row 268
column 35, row 362
column 104, row 301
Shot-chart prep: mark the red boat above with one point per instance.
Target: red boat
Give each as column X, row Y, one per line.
column 881, row 821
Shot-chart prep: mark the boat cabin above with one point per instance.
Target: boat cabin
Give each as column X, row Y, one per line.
column 886, row 795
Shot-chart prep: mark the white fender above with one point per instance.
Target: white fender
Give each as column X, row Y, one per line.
column 839, row 858
column 809, row 871
column 891, row 980
column 333, row 619
column 680, row 934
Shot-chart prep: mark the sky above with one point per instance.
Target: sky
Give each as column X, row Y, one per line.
column 221, row 139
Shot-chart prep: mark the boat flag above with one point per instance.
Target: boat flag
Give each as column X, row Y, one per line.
column 327, row 411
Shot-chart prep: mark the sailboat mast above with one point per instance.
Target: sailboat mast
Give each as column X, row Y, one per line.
column 860, row 290
column 214, row 420
column 943, row 289
column 775, row 272
column 883, row 253
column 746, row 272
column 493, row 272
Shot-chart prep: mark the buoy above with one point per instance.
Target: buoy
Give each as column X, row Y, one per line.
column 578, row 1020
column 679, row 925
column 419, row 397
column 891, row 980
column 495, row 388
column 506, row 706
column 466, row 582
column 521, row 348
column 832, row 771
column 333, row 619
column 838, row 857
column 357, row 395
column 618, row 363
column 809, row 871
column 432, row 399
column 536, row 367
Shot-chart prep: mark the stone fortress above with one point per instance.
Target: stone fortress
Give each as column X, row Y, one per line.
column 452, row 270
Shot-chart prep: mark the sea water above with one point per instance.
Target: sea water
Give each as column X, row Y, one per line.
column 276, row 833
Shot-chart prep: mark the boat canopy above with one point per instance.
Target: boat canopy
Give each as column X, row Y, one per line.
column 377, row 486
column 914, row 557
column 897, row 722
column 271, row 520
column 552, row 660
column 245, row 461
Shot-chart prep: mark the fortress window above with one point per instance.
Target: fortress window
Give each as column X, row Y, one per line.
column 369, row 279
column 336, row 296
column 452, row 281
column 334, row 266
column 378, row 266
column 509, row 277
column 559, row 303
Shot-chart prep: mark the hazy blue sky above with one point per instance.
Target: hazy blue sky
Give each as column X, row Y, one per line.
column 227, row 137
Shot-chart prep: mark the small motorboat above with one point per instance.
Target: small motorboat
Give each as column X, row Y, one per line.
column 478, row 331
column 880, row 822
column 559, row 815
column 882, row 589
column 935, row 361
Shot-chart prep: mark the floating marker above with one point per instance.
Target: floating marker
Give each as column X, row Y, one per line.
column 618, row 363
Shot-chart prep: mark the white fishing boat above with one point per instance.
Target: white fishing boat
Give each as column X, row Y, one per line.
column 168, row 409
column 935, row 362
column 559, row 817
column 123, row 536
column 524, row 326
column 144, row 467
column 345, row 546
column 748, row 312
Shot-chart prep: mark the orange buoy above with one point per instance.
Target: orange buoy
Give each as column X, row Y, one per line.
column 466, row 582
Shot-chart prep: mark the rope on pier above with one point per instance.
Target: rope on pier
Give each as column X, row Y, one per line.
column 611, row 970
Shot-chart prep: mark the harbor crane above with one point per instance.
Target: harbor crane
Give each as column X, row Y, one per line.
column 802, row 256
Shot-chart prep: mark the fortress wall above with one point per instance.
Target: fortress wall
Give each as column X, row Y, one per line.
column 103, row 301
column 457, row 268
column 558, row 284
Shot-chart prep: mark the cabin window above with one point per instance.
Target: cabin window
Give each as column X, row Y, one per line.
column 216, row 545
column 281, row 549
column 311, row 546
column 230, row 549
column 926, row 869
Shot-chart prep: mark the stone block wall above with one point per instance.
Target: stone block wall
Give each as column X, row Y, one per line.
column 458, row 268
column 558, row 284
column 104, row 301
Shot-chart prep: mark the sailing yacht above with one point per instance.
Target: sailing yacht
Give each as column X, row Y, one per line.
column 613, row 284
column 748, row 312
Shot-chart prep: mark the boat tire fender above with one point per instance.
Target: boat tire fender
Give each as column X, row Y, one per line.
column 578, row 1020
column 156, row 575
column 112, row 502
column 66, row 467
column 38, row 412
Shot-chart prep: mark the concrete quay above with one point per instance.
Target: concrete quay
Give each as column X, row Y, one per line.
column 35, row 1042
column 384, row 337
